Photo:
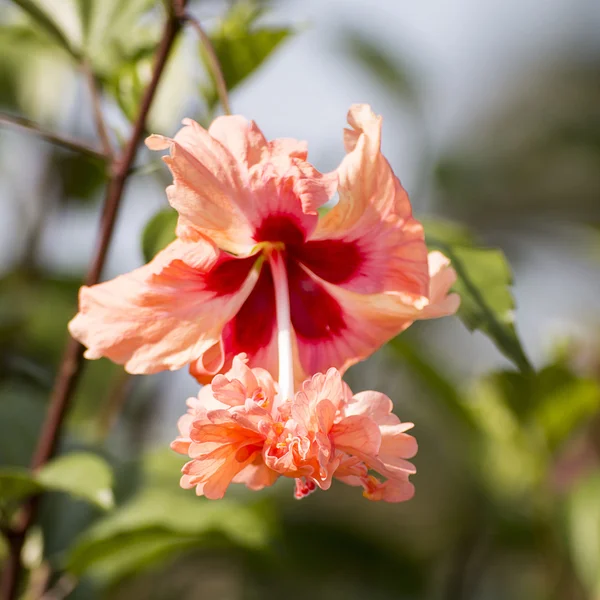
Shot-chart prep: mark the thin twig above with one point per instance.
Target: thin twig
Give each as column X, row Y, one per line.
column 70, row 366
column 213, row 60
column 96, row 97
column 54, row 138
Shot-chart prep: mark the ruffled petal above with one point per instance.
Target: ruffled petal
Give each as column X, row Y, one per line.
column 392, row 490
column 247, row 143
column 348, row 326
column 442, row 278
column 358, row 435
column 209, row 190
column 167, row 313
column 375, row 405
column 288, row 147
column 243, row 138
column 238, row 384
column 369, row 242
column 287, row 194
column 397, row 444
column 351, row 470
column 229, row 183
column 214, row 472
column 256, row 476
column 326, row 386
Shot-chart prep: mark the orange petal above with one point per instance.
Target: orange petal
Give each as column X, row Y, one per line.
column 167, row 313
column 248, row 145
column 357, row 435
column 229, row 180
column 243, row 138
column 256, row 476
column 348, row 326
column 392, row 490
column 371, row 227
column 395, row 443
column 209, row 191
column 375, row 405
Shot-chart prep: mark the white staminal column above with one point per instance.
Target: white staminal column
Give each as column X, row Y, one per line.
column 284, row 328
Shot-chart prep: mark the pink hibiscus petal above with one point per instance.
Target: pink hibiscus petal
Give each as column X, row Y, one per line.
column 167, row 313
column 209, row 190
column 256, row 476
column 356, row 434
column 229, row 179
column 372, row 223
column 349, row 326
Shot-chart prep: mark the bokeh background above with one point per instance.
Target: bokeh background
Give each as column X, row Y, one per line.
column 492, row 122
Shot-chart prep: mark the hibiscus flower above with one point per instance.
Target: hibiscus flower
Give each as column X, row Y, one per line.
column 248, row 224
column 238, row 430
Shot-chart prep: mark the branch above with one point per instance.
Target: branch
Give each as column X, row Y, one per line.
column 54, row 138
column 70, row 366
column 97, row 109
column 213, row 60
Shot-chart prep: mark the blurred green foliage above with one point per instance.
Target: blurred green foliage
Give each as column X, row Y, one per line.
column 159, row 232
column 81, row 475
column 483, row 283
column 508, row 468
column 241, row 46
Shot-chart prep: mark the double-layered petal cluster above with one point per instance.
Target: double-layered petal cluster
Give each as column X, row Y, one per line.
column 238, row 430
column 357, row 276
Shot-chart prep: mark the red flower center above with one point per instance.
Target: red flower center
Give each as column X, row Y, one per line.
column 315, row 314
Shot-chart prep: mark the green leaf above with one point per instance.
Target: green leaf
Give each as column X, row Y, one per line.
column 48, row 25
column 484, row 282
column 554, row 400
column 85, row 10
column 524, row 419
column 80, row 474
column 79, row 176
column 112, row 32
column 583, row 523
column 563, row 402
column 128, row 75
column 241, row 47
column 111, row 559
column 119, row 41
column 158, row 521
column 510, row 458
column 158, row 233
column 16, row 483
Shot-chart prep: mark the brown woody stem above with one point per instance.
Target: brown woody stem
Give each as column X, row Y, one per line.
column 71, row 362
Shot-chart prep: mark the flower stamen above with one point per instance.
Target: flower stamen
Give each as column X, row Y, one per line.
column 304, row 488
column 284, row 329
